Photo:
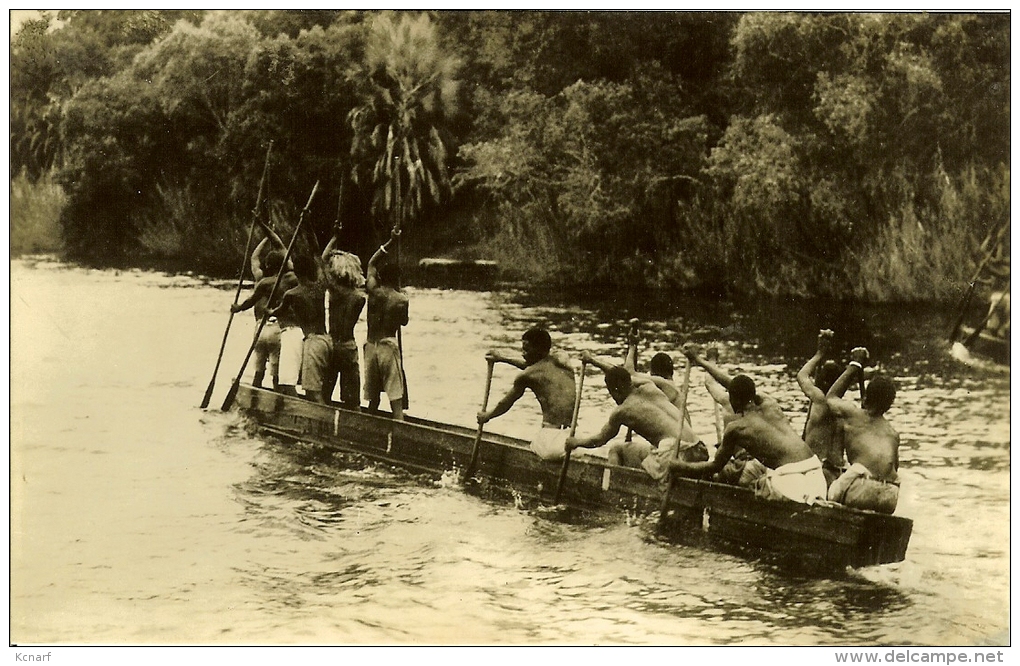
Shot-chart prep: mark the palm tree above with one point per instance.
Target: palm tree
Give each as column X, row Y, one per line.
column 398, row 149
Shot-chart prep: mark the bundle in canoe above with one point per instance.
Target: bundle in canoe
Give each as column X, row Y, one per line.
column 820, row 536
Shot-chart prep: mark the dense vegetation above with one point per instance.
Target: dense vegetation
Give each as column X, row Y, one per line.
column 848, row 155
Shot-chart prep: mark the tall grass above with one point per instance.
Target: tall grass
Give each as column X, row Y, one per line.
column 929, row 254
column 35, row 215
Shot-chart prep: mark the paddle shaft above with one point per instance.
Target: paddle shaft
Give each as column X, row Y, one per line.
column 573, row 429
column 994, row 237
column 676, row 451
column 481, row 426
column 984, row 322
column 240, row 281
column 232, row 393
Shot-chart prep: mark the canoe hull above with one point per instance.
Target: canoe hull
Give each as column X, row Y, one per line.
column 987, row 346
column 828, row 537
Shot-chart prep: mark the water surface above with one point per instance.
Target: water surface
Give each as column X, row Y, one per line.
column 138, row 518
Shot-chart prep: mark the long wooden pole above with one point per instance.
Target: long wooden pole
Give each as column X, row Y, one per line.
column 676, row 451
column 573, row 429
column 470, row 469
column 984, row 322
column 994, row 238
column 240, row 280
column 232, row 393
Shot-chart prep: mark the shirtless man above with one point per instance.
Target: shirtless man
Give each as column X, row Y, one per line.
column 633, row 453
column 646, row 410
column 550, row 376
column 387, row 312
column 303, row 340
column 345, row 301
column 872, row 445
column 267, row 348
column 820, row 431
column 760, row 427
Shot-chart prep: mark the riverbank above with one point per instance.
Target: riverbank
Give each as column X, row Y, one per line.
column 907, row 265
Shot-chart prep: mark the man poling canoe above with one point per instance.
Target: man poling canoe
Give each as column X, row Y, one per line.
column 387, row 313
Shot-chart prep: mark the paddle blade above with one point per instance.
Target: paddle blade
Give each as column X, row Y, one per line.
column 563, row 478
column 231, row 395
column 208, row 394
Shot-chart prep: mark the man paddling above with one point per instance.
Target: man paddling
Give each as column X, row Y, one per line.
column 345, row 301
column 872, row 444
column 387, row 312
column 820, row 431
column 631, row 453
column 646, row 410
column 267, row 348
column 759, row 426
column 550, row 376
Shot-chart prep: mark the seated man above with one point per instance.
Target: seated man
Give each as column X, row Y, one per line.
column 820, row 431
column 759, row 426
column 872, row 445
column 647, row 411
column 551, row 378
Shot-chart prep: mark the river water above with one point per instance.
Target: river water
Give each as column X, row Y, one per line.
column 137, row 518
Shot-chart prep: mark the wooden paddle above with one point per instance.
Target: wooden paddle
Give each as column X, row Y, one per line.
column 240, row 280
column 470, row 469
column 232, row 393
column 573, row 429
column 676, row 451
column 400, row 340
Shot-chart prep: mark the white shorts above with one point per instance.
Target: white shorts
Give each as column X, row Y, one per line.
column 292, row 342
column 548, row 443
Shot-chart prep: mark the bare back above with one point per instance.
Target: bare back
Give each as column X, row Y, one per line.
column 823, row 435
column 552, row 382
column 870, row 440
column 765, row 432
column 387, row 311
column 345, row 306
column 650, row 413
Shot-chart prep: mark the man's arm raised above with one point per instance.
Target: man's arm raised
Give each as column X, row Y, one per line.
column 838, row 406
column 804, row 377
column 589, row 358
column 691, row 352
column 373, row 267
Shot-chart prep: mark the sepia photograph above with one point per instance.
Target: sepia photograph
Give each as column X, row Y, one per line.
column 335, row 329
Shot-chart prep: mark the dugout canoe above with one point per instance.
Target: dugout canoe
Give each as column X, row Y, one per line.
column 829, row 537
column 986, row 346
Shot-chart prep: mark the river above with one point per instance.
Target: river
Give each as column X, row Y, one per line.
column 137, row 518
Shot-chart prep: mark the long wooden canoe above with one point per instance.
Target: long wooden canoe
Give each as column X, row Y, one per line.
column 829, row 537
column 987, row 346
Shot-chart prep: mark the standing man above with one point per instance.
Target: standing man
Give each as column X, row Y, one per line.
column 387, row 312
column 646, row 410
column 872, row 444
column 759, row 426
column 551, row 378
column 267, row 348
column 820, row 431
column 345, row 300
column 303, row 340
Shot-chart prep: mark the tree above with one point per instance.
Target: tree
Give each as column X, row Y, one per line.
column 399, row 150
